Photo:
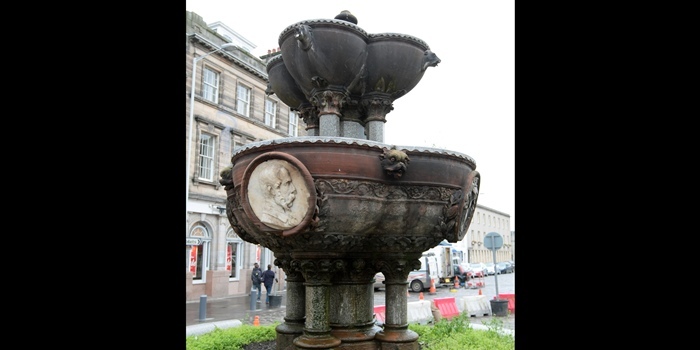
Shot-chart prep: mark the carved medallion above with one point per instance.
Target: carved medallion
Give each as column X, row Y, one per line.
column 278, row 191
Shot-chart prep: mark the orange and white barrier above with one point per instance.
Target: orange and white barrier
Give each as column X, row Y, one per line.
column 511, row 301
column 447, row 306
column 380, row 313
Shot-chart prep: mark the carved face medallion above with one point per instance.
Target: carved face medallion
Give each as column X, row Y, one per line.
column 278, row 191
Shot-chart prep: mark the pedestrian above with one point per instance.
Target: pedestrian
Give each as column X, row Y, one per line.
column 256, row 277
column 268, row 277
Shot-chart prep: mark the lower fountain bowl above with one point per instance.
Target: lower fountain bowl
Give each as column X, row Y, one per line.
column 323, row 194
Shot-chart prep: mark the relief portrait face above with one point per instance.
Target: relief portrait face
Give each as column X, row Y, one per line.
column 277, row 194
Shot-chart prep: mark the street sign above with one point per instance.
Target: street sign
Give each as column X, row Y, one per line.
column 193, row 241
column 493, row 241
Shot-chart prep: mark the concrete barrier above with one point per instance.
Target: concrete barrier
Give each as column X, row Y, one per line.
column 419, row 312
column 477, row 305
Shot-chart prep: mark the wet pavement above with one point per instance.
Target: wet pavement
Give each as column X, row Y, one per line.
column 239, row 308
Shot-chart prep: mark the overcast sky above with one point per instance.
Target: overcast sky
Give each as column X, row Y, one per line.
column 465, row 104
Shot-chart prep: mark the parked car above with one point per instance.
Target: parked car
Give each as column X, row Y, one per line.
column 490, row 268
column 478, row 269
column 468, row 269
column 512, row 263
column 504, row 267
column 418, row 281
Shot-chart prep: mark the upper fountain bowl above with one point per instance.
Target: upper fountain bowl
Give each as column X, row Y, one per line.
column 324, row 54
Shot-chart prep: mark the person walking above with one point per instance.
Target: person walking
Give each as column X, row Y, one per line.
column 256, row 277
column 268, row 277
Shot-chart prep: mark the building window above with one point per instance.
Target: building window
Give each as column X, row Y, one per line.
column 198, row 254
column 210, row 85
column 270, row 113
column 206, row 157
column 293, row 123
column 233, row 254
column 243, row 97
column 238, row 141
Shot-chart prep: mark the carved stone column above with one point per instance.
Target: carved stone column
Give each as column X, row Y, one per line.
column 396, row 334
column 352, row 305
column 377, row 108
column 317, row 330
column 293, row 325
column 351, row 121
column 309, row 115
column 329, row 104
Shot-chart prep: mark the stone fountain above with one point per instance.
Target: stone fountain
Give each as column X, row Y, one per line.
column 339, row 206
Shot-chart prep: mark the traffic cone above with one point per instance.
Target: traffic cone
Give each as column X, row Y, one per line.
column 256, row 321
column 480, row 291
column 420, row 296
column 432, row 286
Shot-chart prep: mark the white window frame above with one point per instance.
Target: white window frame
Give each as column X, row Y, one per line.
column 232, row 237
column 201, row 232
column 243, row 100
column 270, row 113
column 206, row 157
column 210, row 85
column 293, row 123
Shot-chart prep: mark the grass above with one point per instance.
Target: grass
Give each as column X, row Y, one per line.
column 443, row 335
column 231, row 338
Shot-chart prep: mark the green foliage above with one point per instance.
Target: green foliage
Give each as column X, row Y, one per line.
column 443, row 335
column 456, row 334
column 234, row 338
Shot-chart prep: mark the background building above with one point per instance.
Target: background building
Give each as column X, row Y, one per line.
column 487, row 220
column 230, row 110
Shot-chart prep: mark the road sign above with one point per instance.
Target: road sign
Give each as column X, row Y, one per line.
column 193, row 241
column 493, row 241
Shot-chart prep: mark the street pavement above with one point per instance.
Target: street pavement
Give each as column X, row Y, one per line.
column 236, row 310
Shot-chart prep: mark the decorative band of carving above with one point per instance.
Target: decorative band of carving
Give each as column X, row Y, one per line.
column 383, row 191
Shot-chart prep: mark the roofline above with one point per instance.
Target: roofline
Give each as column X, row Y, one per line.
column 244, row 39
column 208, row 43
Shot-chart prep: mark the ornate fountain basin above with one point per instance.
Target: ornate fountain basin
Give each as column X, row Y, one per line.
column 396, row 63
column 342, row 195
column 324, row 54
column 283, row 85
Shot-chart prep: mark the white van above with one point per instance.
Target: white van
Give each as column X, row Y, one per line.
column 419, row 280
